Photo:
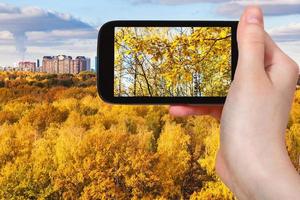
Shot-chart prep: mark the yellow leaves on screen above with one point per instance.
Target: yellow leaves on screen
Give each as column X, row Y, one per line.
column 151, row 56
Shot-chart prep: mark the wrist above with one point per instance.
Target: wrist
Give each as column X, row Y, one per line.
column 285, row 184
column 262, row 173
column 278, row 182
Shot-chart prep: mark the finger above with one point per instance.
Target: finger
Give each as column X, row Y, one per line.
column 282, row 70
column 180, row 111
column 271, row 51
column 251, row 43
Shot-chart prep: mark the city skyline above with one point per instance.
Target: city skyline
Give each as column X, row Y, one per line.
column 72, row 28
column 36, row 60
column 60, row 64
column 63, row 64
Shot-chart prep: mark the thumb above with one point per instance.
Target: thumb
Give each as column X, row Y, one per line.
column 251, row 43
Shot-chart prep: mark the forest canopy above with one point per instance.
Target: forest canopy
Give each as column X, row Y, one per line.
column 172, row 61
column 63, row 142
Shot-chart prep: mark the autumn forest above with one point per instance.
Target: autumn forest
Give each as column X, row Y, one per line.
column 58, row 140
column 172, row 61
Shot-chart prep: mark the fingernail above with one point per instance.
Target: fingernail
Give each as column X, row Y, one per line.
column 254, row 15
column 252, row 19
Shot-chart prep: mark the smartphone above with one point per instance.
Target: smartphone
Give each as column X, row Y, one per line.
column 166, row 62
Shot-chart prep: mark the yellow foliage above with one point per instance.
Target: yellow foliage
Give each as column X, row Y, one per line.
column 174, row 158
column 213, row 191
column 65, row 143
column 163, row 61
column 208, row 160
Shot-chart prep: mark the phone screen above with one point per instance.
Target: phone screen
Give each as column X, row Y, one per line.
column 172, row 61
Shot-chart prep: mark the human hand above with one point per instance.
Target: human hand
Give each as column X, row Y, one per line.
column 252, row 159
column 185, row 110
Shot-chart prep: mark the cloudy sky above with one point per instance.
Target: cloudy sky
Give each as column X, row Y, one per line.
column 30, row 29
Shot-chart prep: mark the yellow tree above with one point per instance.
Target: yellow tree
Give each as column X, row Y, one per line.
column 213, row 189
column 172, row 61
column 173, row 159
column 293, row 144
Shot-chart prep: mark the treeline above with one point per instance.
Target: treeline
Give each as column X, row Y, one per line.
column 68, row 144
column 44, row 80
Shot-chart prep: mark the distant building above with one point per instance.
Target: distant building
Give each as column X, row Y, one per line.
column 47, row 64
column 96, row 63
column 63, row 64
column 27, row 66
column 38, row 65
column 9, row 68
column 88, row 64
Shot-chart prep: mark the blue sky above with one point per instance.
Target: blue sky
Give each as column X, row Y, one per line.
column 96, row 12
column 30, row 39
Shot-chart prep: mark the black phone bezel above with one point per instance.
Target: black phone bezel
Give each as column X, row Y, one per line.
column 105, row 61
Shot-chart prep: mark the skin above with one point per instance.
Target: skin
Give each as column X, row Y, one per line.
column 252, row 159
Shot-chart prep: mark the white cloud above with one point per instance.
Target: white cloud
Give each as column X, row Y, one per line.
column 27, row 27
column 60, row 35
column 290, row 32
column 71, row 47
column 20, row 19
column 5, row 8
column 6, row 35
column 235, row 7
column 175, row 2
column 270, row 7
column 292, row 49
